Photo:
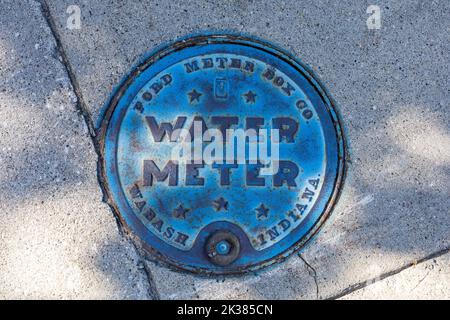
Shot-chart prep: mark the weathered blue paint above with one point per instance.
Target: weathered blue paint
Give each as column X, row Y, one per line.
column 201, row 77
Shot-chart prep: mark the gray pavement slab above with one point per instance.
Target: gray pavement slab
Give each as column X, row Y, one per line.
column 391, row 86
column 428, row 280
column 392, row 89
column 57, row 239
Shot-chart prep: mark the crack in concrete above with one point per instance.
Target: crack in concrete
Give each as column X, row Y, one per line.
column 152, row 290
column 421, row 280
column 81, row 105
column 361, row 285
column 312, row 272
column 83, row 110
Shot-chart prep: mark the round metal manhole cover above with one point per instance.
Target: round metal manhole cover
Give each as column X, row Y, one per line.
column 222, row 153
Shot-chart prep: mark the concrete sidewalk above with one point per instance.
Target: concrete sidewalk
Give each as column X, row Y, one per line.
column 389, row 236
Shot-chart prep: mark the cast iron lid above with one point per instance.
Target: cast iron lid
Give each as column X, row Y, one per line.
column 210, row 209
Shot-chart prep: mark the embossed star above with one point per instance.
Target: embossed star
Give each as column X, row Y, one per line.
column 220, row 204
column 194, row 95
column 262, row 212
column 250, row 97
column 180, row 212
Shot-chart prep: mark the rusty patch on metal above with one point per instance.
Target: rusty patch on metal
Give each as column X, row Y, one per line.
column 222, row 209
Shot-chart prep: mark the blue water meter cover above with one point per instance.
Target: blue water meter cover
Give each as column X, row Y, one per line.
column 222, row 153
